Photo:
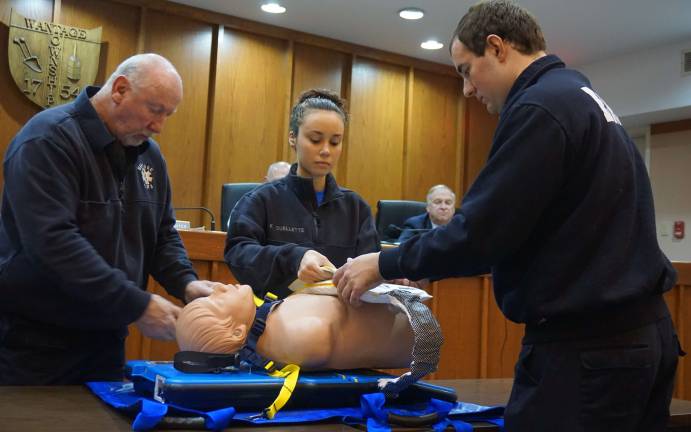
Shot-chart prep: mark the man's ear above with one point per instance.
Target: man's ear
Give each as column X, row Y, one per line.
column 496, row 46
column 292, row 140
column 120, row 86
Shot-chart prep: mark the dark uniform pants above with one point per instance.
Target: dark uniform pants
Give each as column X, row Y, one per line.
column 617, row 383
column 40, row 354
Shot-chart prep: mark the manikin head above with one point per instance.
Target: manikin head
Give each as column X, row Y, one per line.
column 441, row 203
column 218, row 323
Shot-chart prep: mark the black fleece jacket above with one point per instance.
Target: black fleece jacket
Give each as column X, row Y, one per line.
column 562, row 212
column 273, row 226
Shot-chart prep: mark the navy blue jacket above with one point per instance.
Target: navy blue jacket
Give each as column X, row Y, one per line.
column 272, row 227
column 412, row 224
column 562, row 212
column 77, row 244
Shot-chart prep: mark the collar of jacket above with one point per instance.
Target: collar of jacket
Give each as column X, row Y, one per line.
column 529, row 76
column 303, row 187
column 93, row 126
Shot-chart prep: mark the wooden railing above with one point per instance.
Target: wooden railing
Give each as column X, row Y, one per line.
column 479, row 342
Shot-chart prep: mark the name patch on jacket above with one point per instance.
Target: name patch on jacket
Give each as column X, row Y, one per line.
column 286, row 228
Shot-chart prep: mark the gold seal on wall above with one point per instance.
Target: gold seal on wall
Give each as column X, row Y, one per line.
column 51, row 63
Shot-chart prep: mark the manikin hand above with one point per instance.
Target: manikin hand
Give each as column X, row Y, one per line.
column 310, row 270
column 198, row 288
column 357, row 276
column 158, row 320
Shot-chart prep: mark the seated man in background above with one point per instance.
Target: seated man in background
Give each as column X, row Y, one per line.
column 317, row 332
column 441, row 203
column 277, row 170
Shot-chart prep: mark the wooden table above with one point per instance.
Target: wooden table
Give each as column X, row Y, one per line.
column 75, row 409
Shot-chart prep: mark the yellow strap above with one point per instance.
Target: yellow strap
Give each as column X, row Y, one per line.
column 290, row 373
column 271, row 296
column 326, row 283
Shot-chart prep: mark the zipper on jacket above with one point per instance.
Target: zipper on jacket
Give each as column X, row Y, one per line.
column 317, row 224
column 121, row 194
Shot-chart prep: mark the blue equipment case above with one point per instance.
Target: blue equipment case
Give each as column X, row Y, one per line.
column 254, row 390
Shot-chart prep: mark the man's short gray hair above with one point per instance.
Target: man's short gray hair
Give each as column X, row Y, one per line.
column 435, row 188
column 133, row 67
column 271, row 172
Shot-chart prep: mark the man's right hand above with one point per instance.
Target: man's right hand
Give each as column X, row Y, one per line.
column 158, row 320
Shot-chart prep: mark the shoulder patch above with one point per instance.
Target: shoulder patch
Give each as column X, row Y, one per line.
column 606, row 110
column 147, row 175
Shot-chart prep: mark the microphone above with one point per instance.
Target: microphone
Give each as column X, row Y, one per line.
column 393, row 231
column 213, row 218
column 396, row 231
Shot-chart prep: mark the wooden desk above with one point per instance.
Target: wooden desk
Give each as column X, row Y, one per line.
column 76, row 409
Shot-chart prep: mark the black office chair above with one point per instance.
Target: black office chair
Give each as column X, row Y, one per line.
column 230, row 195
column 391, row 214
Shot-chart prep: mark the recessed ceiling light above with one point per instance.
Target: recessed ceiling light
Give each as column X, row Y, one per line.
column 273, row 8
column 411, row 13
column 431, row 44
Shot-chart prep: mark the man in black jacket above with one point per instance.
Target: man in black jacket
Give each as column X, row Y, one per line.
column 86, row 218
column 563, row 215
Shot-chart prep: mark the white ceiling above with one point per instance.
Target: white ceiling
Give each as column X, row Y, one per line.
column 579, row 31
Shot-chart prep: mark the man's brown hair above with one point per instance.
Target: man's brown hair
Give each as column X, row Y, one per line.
column 504, row 19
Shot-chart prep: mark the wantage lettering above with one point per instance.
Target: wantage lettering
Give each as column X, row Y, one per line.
column 51, row 62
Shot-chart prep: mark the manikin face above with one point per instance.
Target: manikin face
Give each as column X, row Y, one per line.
column 483, row 77
column 234, row 301
column 142, row 109
column 318, row 144
column 218, row 323
column 440, row 206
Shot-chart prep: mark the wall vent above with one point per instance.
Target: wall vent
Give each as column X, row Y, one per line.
column 686, row 62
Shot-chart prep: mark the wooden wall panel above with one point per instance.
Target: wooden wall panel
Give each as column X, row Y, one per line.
column 15, row 108
column 430, row 156
column 36, row 9
column 479, row 132
column 120, row 31
column 503, row 342
column 374, row 155
column 316, row 68
column 183, row 140
column 457, row 305
column 252, row 89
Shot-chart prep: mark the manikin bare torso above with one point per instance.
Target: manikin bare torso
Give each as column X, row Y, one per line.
column 319, row 331
column 313, row 331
